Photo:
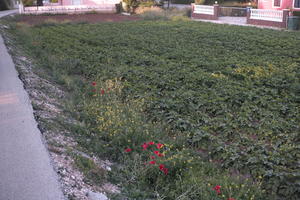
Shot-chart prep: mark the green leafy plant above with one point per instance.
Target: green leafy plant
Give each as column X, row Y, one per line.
column 199, row 2
column 28, row 2
column 225, row 96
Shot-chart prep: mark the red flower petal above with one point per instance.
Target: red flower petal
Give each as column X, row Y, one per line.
column 160, row 155
column 94, row 83
column 161, row 166
column 159, row 145
column 152, row 157
column 217, row 187
column 128, row 150
column 145, row 146
column 151, row 143
column 152, row 162
column 165, row 170
column 102, row 91
column 156, row 152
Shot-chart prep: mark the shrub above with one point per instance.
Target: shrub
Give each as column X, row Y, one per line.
column 147, row 3
column 141, row 10
column 130, row 5
column 154, row 14
column 211, row 2
column 28, row 2
column 199, row 2
column 182, row 1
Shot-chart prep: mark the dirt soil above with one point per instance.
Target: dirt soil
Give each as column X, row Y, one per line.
column 90, row 18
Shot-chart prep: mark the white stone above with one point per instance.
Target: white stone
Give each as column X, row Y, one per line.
column 96, row 196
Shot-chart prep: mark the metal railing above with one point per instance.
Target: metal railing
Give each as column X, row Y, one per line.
column 233, row 11
column 67, row 9
column 201, row 9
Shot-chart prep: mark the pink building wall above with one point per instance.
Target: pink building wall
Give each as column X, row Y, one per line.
column 268, row 4
column 89, row 2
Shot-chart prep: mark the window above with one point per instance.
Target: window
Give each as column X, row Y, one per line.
column 76, row 2
column 276, row 3
column 296, row 3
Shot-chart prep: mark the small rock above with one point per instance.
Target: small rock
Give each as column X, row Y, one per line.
column 96, row 196
column 82, row 154
column 108, row 168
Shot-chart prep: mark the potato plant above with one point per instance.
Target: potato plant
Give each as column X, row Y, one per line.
column 225, row 97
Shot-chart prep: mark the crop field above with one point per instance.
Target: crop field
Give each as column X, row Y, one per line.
column 188, row 110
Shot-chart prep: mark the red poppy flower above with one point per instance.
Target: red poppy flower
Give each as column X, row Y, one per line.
column 156, row 152
column 128, row 150
column 151, row 143
column 161, row 166
column 94, row 83
column 152, row 162
column 165, row 170
column 102, row 91
column 145, row 146
column 159, row 145
column 160, row 155
column 217, row 188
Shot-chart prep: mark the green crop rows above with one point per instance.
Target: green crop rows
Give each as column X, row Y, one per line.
column 230, row 95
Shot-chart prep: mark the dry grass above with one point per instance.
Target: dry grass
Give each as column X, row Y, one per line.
column 156, row 13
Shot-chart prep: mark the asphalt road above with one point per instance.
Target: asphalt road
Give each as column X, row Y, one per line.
column 25, row 169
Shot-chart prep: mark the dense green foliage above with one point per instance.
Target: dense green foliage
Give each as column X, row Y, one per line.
column 131, row 5
column 182, row 1
column 229, row 94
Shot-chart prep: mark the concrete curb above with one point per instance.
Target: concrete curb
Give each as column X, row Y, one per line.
column 25, row 169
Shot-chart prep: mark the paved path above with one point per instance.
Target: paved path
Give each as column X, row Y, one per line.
column 8, row 12
column 25, row 169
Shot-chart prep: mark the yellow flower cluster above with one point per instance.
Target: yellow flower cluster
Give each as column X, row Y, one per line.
column 256, row 71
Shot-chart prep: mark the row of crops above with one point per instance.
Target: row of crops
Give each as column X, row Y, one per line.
column 223, row 101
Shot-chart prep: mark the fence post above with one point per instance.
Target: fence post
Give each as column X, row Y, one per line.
column 21, row 7
column 193, row 8
column 285, row 18
column 216, row 11
column 248, row 15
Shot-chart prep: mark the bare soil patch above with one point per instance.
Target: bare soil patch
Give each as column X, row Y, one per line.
column 89, row 18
